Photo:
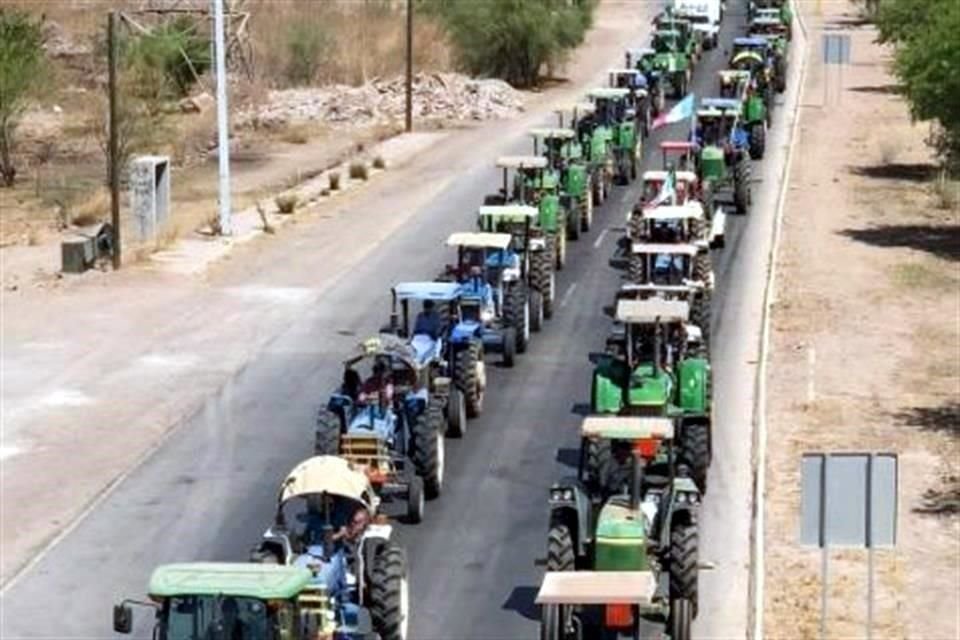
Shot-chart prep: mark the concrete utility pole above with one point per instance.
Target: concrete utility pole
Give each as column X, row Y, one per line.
column 409, row 112
column 223, row 126
column 113, row 169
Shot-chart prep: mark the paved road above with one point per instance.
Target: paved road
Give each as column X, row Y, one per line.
column 208, row 492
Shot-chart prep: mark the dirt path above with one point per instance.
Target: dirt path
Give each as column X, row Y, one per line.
column 865, row 343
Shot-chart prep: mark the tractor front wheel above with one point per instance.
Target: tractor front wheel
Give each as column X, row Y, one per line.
column 573, row 220
column 695, row 451
column 560, row 556
column 758, row 141
column 586, row 208
column 427, row 444
column 456, row 414
column 536, row 311
column 741, row 187
column 509, row 346
column 415, row 501
column 543, row 278
column 599, row 458
column 516, row 314
column 638, row 269
column 561, row 249
column 390, row 593
column 327, row 436
column 469, row 377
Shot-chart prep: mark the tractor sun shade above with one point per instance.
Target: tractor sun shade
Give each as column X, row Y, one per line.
column 652, row 311
column 627, row 428
column 479, row 240
column 596, row 587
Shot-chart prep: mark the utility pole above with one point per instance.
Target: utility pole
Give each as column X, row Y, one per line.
column 223, row 126
column 409, row 113
column 113, row 171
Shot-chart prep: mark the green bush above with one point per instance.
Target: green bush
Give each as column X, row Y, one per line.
column 308, row 44
column 926, row 60
column 514, row 39
column 166, row 62
column 22, row 64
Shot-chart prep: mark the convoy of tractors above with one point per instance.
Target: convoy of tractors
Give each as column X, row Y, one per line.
column 622, row 534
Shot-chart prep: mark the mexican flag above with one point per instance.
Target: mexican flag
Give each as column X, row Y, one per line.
column 681, row 111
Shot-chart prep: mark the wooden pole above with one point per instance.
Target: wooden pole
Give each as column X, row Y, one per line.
column 112, row 164
column 409, row 110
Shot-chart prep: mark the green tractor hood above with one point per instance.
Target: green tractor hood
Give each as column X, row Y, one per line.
column 621, row 541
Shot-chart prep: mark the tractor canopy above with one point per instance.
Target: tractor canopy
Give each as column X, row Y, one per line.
column 608, row 93
column 627, row 428
column 436, row 291
column 332, row 476
column 241, row 580
column 509, row 212
column 596, row 587
column 652, row 311
column 628, row 79
column 521, row 162
column 479, row 240
column 668, row 249
column 722, row 104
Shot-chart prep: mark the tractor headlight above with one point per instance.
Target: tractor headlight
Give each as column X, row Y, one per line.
column 556, row 495
column 568, row 494
column 693, row 498
column 681, row 498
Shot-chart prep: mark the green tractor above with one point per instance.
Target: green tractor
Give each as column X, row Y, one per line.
column 533, row 183
column 656, row 364
column 754, row 114
column 565, row 158
column 777, row 35
column 229, row 600
column 632, row 508
column 533, row 248
column 779, row 9
column 724, row 152
column 616, row 120
column 690, row 41
column 673, row 63
column 597, row 150
column 643, row 60
column 639, row 98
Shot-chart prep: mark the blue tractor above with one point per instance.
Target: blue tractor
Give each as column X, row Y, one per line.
column 494, row 291
column 446, row 337
column 326, row 523
column 385, row 419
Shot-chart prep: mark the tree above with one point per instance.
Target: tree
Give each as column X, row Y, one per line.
column 22, row 64
column 927, row 63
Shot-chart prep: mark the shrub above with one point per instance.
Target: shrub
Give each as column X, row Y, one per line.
column 166, row 62
column 359, row 171
column 379, row 163
column 286, row 202
column 308, row 44
column 515, row 39
column 334, row 180
column 21, row 66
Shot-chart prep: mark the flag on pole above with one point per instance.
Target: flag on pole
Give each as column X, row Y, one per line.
column 680, row 111
column 668, row 191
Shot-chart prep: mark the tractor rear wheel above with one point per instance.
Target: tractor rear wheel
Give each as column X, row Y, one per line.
column 456, row 414
column 415, row 503
column 683, row 561
column 550, row 622
column 695, row 451
column 586, row 207
column 702, row 267
column 638, row 269
column 516, row 314
column 758, row 141
column 327, row 436
column 681, row 616
column 709, row 199
column 700, row 313
column 560, row 556
column 427, row 450
column 599, row 459
column 560, row 240
column 389, row 593
column 469, row 378
column 596, row 188
column 536, row 311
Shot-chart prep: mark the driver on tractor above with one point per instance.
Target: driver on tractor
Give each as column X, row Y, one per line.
column 428, row 322
column 378, row 387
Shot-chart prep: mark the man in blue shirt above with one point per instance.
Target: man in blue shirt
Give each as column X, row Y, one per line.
column 428, row 321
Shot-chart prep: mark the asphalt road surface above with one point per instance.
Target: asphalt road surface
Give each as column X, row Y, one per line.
column 209, row 491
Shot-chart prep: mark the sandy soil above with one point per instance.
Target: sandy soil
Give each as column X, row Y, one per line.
column 865, row 343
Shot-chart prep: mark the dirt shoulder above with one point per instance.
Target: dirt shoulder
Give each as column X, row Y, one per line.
column 96, row 374
column 865, row 338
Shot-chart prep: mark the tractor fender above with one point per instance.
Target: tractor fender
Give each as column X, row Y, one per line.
column 464, row 332
column 573, row 513
column 416, row 403
column 694, row 378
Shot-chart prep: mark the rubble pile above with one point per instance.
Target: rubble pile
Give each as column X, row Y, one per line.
column 436, row 96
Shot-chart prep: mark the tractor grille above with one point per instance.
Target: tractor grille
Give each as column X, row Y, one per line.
column 366, row 451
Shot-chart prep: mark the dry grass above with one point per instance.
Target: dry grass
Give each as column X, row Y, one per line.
column 334, row 180
column 359, row 171
column 379, row 163
column 914, row 275
column 286, row 202
column 93, row 209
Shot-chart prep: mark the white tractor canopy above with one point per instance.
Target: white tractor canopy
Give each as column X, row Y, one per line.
column 734, row 74
column 427, row 290
column 637, row 289
column 553, row 134
column 608, row 93
column 329, row 475
column 522, row 162
column 584, row 108
column 626, row 428
column 510, row 211
column 596, row 587
column 659, row 175
column 690, row 210
column 664, row 248
column 651, row 311
column 479, row 240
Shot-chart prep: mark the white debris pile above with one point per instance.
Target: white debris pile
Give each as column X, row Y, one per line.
column 436, row 96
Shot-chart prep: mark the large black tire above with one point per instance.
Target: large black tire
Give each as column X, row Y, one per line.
column 700, row 313
column 509, row 346
column 709, row 199
column 596, row 189
column 741, row 187
column 560, row 555
column 681, row 617
column 415, row 506
column 456, row 414
column 542, row 277
column 599, row 457
column 694, row 451
column 758, row 141
column 550, row 622
column 389, row 595
column 586, row 210
column 327, row 436
column 427, row 450
column 659, row 101
column 637, row 269
column 560, row 249
column 682, row 563
column 516, row 314
column 780, row 73
column 702, row 266
column 572, row 220
column 536, row 311
column 466, row 376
